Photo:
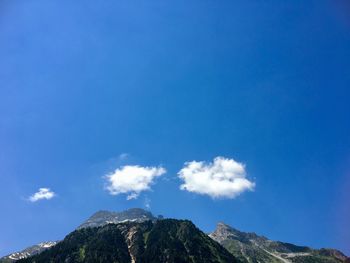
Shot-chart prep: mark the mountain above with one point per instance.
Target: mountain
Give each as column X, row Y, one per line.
column 102, row 218
column 249, row 247
column 167, row 240
column 30, row 251
column 135, row 235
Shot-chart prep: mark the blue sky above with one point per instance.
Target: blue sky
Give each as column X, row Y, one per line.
column 264, row 83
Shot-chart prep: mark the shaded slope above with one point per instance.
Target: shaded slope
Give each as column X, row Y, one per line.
column 180, row 241
column 87, row 245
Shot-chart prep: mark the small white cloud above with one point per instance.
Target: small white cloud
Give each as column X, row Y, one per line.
column 132, row 196
column 224, row 178
column 43, row 193
column 132, row 180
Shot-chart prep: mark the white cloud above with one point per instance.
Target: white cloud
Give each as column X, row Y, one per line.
column 43, row 193
column 224, row 178
column 132, row 196
column 132, row 180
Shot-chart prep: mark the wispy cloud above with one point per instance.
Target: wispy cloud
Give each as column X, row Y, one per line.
column 223, row 178
column 132, row 180
column 147, row 203
column 43, row 193
column 123, row 156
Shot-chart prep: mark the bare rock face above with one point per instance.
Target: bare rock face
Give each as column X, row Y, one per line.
column 134, row 235
column 224, row 232
column 102, row 218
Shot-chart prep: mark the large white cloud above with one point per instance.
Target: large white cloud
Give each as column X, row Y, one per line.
column 43, row 193
column 223, row 178
column 132, row 180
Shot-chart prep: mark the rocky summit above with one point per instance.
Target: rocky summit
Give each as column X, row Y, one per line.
column 102, row 218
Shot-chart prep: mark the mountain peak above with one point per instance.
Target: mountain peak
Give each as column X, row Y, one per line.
column 223, row 232
column 224, row 226
column 104, row 217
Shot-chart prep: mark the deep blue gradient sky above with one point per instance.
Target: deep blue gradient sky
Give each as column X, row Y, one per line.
column 264, row 82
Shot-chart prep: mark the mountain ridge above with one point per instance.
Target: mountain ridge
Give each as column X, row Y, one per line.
column 250, row 247
column 29, row 251
column 243, row 246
